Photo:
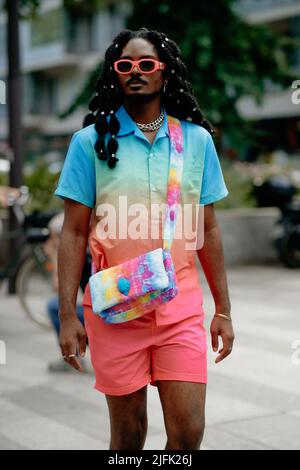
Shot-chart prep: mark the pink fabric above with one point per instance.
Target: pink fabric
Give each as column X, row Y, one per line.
column 127, row 356
column 189, row 299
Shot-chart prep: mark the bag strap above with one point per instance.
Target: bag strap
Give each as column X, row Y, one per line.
column 174, row 180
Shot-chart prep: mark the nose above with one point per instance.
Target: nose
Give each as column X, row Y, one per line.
column 135, row 68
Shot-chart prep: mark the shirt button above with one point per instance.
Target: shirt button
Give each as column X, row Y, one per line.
column 152, row 154
column 154, row 188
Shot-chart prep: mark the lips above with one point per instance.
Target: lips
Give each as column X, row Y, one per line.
column 135, row 83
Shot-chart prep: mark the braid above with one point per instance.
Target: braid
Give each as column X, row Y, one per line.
column 178, row 97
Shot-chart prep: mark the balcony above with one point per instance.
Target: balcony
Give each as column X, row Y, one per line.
column 56, row 41
column 278, row 104
column 259, row 11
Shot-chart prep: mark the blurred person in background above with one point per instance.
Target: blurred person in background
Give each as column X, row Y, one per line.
column 51, row 249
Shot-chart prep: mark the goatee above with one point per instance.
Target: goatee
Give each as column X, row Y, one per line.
column 143, row 97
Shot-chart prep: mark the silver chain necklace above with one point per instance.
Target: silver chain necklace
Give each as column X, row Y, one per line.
column 152, row 126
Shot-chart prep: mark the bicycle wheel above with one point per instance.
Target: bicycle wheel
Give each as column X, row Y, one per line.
column 34, row 289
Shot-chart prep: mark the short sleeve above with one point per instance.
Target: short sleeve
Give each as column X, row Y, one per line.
column 77, row 180
column 213, row 185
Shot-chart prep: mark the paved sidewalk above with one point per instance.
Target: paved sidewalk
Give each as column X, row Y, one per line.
column 253, row 399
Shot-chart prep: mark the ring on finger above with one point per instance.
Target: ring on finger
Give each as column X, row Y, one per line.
column 69, row 356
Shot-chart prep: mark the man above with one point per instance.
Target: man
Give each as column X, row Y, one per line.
column 120, row 156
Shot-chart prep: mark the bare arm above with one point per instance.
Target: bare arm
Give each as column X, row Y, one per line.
column 211, row 257
column 71, row 256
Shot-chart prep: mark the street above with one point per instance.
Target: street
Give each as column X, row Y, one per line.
column 253, row 396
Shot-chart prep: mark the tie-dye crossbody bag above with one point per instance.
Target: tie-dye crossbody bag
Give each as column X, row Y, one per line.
column 131, row 289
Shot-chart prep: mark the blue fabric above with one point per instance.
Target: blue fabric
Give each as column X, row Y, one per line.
column 78, row 179
column 213, row 185
column 52, row 309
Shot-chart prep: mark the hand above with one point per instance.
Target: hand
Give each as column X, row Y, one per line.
column 221, row 327
column 73, row 339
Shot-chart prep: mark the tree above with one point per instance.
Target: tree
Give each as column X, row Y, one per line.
column 226, row 57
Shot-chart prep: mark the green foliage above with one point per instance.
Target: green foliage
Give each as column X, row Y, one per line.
column 82, row 6
column 27, row 8
column 239, row 185
column 47, row 27
column 3, row 179
column 226, row 57
column 41, row 185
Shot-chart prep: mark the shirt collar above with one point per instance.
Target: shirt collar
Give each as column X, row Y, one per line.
column 128, row 125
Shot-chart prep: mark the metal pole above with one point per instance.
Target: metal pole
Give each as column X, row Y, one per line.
column 14, row 97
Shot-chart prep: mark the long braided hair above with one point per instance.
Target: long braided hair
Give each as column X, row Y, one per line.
column 177, row 98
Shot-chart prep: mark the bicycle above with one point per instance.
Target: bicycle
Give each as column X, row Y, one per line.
column 29, row 266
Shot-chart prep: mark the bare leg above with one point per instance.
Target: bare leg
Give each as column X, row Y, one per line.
column 183, row 406
column 128, row 420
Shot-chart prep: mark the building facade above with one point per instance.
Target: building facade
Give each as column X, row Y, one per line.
column 279, row 113
column 59, row 49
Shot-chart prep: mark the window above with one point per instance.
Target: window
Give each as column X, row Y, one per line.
column 48, row 27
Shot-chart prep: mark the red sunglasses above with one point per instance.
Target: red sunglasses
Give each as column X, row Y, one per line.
column 125, row 66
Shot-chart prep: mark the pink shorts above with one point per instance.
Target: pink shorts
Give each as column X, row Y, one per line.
column 127, row 356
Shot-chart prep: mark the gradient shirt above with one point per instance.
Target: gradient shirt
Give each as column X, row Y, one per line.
column 141, row 174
